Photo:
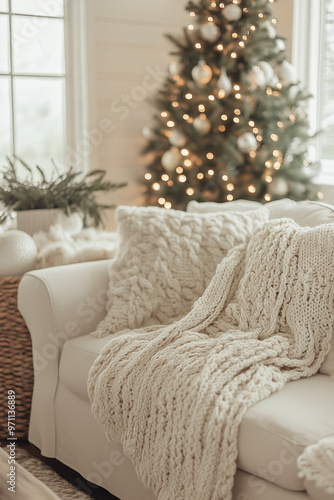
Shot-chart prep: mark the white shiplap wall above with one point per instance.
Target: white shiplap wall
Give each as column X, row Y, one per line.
column 127, row 51
column 283, row 11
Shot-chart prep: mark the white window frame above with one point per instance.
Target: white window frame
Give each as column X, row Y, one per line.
column 76, row 81
column 307, row 57
column 77, row 116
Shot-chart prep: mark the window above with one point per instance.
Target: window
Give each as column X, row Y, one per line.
column 41, row 80
column 313, row 57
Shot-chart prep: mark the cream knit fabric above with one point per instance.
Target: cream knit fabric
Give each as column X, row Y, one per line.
column 175, row 396
column 316, row 465
column 165, row 260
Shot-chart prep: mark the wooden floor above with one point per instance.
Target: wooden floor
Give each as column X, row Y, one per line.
column 70, row 475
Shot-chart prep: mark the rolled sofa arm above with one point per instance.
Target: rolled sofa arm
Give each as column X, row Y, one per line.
column 58, row 304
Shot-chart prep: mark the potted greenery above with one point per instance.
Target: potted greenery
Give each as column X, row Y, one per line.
column 69, row 191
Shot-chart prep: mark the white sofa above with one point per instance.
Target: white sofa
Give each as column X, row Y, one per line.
column 62, row 305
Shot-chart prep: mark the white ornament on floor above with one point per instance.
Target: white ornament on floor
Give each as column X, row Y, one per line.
column 18, row 253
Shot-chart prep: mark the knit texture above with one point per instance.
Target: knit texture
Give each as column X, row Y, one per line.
column 165, row 260
column 316, row 464
column 327, row 367
column 175, row 396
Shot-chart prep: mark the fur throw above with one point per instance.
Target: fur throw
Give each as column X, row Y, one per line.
column 68, row 243
column 174, row 396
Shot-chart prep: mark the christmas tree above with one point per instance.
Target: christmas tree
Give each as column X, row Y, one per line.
column 232, row 121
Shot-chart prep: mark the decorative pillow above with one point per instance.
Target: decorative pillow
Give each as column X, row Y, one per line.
column 211, row 206
column 305, row 213
column 165, row 260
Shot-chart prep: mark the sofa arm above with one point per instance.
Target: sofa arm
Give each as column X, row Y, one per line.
column 58, row 304
column 63, row 302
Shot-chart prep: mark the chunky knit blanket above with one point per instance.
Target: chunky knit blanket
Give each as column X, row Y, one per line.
column 174, row 396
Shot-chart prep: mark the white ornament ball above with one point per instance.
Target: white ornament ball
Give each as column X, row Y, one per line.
column 247, row 142
column 171, row 159
column 202, row 73
column 177, row 139
column 232, row 12
column 268, row 71
column 256, row 77
column 175, row 68
column 148, row 133
column 224, row 83
column 286, row 73
column 18, row 253
column 270, row 29
column 202, row 124
column 210, row 32
column 274, row 81
column 293, row 91
column 280, row 45
column 278, row 187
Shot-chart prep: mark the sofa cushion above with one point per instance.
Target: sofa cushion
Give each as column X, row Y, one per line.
column 166, row 259
column 77, row 357
column 273, row 433
column 305, row 213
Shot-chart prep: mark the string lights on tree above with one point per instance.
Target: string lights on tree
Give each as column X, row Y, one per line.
column 232, row 121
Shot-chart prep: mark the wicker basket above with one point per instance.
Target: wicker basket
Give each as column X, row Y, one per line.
column 16, row 367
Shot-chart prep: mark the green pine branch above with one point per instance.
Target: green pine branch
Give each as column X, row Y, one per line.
column 69, row 191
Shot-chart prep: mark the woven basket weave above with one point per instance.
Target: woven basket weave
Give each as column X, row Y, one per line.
column 16, row 367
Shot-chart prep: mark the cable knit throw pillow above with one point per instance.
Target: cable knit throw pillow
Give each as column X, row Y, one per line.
column 165, row 260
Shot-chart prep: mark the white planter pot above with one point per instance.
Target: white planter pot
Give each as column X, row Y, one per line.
column 32, row 221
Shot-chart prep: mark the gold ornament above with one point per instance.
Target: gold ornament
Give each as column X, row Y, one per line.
column 202, row 73
column 202, row 124
column 170, row 159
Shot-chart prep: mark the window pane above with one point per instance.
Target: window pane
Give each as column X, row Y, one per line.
column 3, row 5
column 38, row 7
column 5, row 121
column 327, row 93
column 38, row 45
column 4, row 44
column 39, row 105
